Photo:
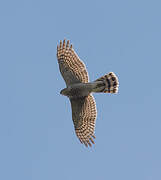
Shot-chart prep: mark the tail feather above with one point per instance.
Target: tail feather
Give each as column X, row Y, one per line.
column 107, row 83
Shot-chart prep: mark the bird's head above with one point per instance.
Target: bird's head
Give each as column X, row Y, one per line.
column 64, row 92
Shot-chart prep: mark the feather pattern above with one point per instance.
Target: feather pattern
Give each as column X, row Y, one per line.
column 84, row 115
column 71, row 67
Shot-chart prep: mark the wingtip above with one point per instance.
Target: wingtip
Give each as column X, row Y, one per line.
column 85, row 144
column 64, row 43
column 67, row 45
column 60, row 43
column 94, row 136
column 92, row 140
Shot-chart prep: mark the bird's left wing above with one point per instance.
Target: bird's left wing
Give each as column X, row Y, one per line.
column 84, row 115
column 71, row 67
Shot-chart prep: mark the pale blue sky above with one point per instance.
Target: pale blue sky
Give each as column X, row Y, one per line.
column 37, row 138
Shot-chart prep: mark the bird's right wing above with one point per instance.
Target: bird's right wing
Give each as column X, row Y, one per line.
column 84, row 115
column 71, row 67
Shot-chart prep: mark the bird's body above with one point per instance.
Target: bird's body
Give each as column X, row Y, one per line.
column 82, row 89
column 79, row 91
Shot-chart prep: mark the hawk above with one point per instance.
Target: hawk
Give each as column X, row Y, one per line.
column 79, row 91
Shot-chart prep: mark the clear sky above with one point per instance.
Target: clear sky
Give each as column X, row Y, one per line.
column 37, row 138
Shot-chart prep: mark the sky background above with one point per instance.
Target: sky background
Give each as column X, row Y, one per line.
column 37, row 138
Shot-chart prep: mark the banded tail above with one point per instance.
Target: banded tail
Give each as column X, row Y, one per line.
column 107, row 84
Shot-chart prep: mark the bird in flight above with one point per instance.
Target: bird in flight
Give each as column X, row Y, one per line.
column 79, row 91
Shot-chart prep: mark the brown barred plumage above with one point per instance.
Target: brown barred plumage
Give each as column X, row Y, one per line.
column 79, row 91
column 84, row 115
column 71, row 67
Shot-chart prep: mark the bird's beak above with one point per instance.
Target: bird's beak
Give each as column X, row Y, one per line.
column 61, row 92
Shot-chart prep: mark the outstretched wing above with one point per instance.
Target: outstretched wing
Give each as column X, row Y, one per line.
column 84, row 115
column 71, row 67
